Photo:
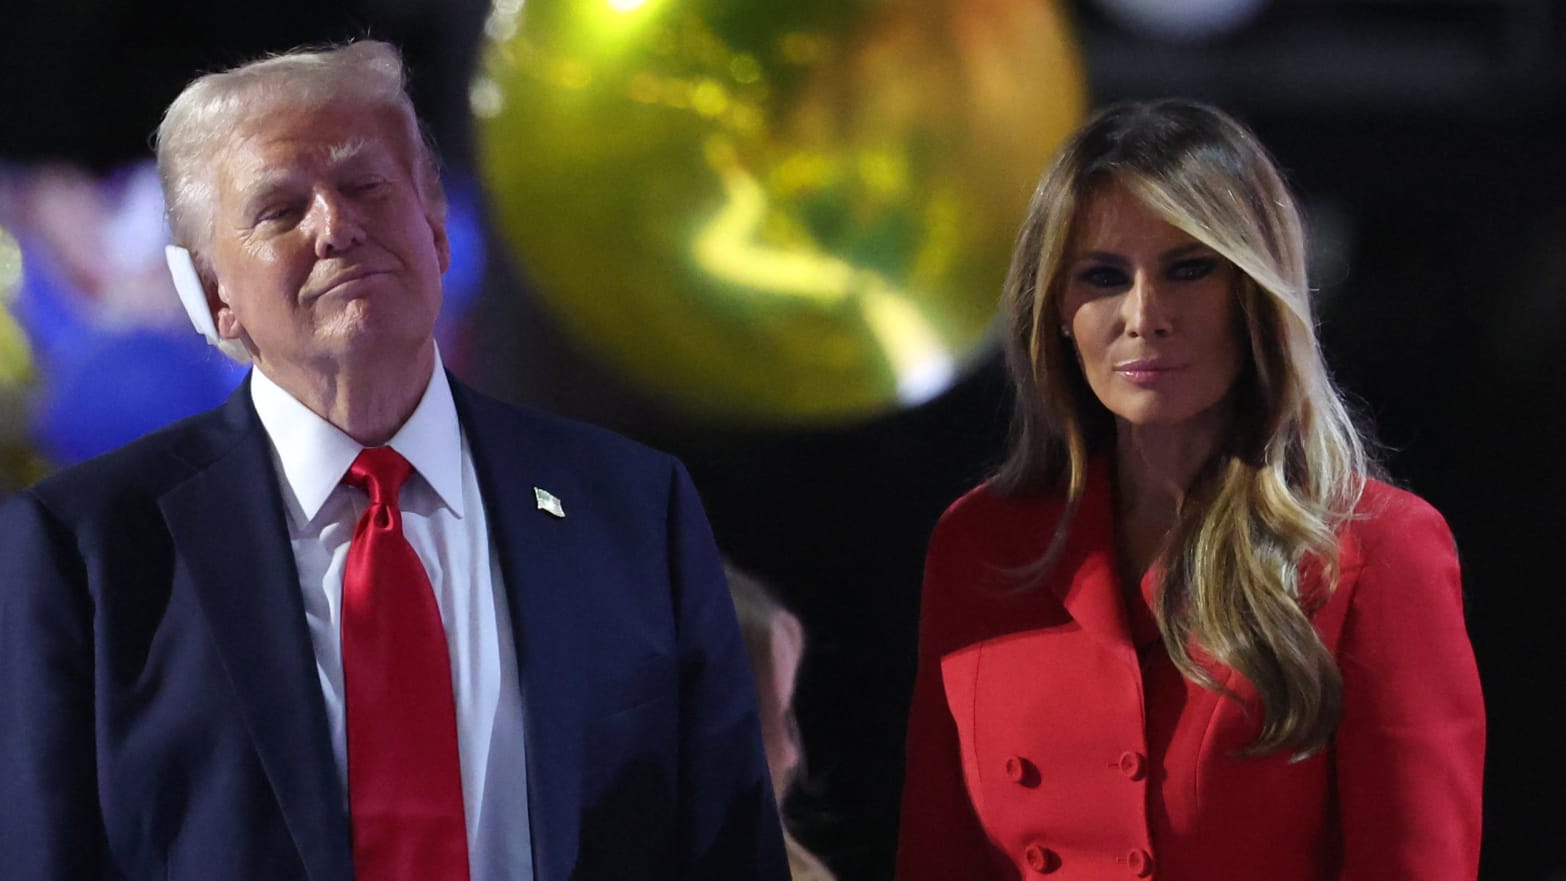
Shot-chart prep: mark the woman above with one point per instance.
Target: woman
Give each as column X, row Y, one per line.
column 775, row 644
column 1181, row 634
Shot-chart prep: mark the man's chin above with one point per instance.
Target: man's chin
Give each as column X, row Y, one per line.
column 360, row 339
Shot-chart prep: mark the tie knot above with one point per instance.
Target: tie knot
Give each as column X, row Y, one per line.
column 380, row 471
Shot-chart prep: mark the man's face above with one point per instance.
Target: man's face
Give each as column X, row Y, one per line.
column 324, row 253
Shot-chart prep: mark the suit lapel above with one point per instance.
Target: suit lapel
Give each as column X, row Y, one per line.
column 229, row 536
column 510, row 463
column 1089, row 586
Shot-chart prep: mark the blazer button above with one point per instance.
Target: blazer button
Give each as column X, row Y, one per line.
column 1021, row 771
column 1132, row 764
column 1140, row 862
column 1040, row 858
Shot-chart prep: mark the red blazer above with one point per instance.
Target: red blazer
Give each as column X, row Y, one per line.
column 1038, row 744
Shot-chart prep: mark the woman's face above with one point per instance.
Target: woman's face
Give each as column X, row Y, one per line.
column 1151, row 312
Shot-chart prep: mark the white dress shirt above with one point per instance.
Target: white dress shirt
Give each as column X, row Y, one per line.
column 443, row 518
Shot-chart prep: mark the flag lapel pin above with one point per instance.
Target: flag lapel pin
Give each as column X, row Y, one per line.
column 547, row 502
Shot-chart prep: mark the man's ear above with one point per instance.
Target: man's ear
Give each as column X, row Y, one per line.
column 227, row 322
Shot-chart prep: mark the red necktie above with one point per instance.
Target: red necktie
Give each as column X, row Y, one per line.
column 404, row 777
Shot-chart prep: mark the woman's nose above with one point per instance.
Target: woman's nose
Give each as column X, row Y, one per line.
column 1145, row 312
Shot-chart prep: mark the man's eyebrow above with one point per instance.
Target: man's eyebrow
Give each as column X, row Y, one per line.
column 347, row 151
column 265, row 189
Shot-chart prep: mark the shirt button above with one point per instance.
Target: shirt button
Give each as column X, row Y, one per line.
column 1040, row 858
column 1021, row 771
column 1132, row 764
column 1140, row 863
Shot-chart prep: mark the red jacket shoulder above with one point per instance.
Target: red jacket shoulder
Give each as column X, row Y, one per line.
column 1389, row 520
column 984, row 520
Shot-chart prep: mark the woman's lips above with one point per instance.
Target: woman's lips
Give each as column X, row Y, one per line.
column 1147, row 371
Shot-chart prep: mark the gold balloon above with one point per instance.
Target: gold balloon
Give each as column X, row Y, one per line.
column 773, row 212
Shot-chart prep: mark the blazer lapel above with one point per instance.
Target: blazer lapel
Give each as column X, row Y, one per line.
column 231, row 540
column 510, row 463
column 1089, row 584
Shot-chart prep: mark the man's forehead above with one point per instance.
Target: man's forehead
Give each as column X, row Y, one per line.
column 271, row 149
column 284, row 155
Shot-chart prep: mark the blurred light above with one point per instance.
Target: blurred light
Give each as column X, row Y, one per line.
column 709, row 98
column 502, row 22
column 10, row 266
column 16, row 362
column 1183, row 21
column 485, row 97
column 745, row 69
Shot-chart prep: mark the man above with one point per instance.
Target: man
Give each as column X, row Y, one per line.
column 361, row 622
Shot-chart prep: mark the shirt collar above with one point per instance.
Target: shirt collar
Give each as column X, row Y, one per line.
column 314, row 454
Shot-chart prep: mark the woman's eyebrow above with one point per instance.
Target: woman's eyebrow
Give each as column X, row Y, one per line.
column 1102, row 257
column 1113, row 259
column 1185, row 251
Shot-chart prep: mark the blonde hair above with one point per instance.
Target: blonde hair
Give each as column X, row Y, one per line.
column 1271, row 500
column 197, row 128
column 764, row 622
column 762, row 619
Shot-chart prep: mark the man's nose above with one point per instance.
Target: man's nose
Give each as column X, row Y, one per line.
column 1145, row 311
column 335, row 223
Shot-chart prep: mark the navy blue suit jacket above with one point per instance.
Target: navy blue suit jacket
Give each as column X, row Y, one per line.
column 161, row 716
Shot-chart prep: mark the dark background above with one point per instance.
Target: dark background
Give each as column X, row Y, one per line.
column 1423, row 137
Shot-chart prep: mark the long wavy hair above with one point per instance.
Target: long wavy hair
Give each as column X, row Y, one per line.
column 1270, row 502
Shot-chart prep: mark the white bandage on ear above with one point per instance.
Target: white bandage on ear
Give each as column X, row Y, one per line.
column 187, row 282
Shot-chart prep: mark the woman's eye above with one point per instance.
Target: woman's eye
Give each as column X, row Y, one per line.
column 1103, row 277
column 1191, row 270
